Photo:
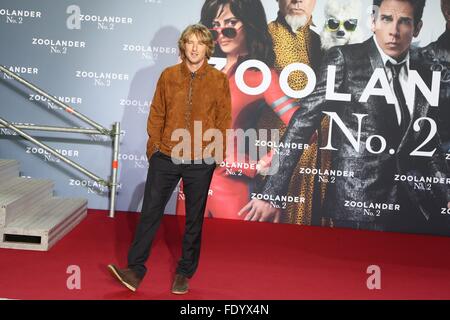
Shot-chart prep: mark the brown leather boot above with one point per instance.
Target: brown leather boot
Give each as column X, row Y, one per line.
column 126, row 276
column 180, row 284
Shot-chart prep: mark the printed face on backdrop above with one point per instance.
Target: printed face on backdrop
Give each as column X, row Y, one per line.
column 228, row 31
column 195, row 50
column 394, row 27
column 296, row 12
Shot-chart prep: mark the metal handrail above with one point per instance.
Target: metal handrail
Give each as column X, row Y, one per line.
column 55, row 129
column 67, row 108
column 99, row 129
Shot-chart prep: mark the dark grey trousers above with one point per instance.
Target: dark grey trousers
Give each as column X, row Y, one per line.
column 162, row 178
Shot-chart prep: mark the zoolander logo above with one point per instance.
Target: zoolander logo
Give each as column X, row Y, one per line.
column 70, row 153
column 102, row 79
column 149, row 52
column 105, row 19
column 141, row 106
column 91, row 186
column 102, row 22
column 58, row 46
column 21, row 70
column 51, row 105
column 14, row 16
column 139, row 160
column 10, row 132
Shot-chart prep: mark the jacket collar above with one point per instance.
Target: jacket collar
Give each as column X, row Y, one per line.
column 200, row 72
column 375, row 58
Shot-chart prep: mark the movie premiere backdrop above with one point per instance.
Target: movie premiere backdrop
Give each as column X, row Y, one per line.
column 104, row 58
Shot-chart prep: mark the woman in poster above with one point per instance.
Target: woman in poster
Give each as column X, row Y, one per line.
column 241, row 33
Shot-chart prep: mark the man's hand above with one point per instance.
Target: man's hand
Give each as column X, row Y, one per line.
column 260, row 210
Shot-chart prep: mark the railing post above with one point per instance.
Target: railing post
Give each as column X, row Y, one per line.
column 115, row 167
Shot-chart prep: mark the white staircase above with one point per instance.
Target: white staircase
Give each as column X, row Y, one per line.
column 30, row 217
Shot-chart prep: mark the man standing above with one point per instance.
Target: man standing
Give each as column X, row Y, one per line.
column 190, row 96
column 370, row 193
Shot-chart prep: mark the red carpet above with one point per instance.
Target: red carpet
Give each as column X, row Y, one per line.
column 239, row 261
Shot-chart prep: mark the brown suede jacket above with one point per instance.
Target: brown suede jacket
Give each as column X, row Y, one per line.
column 183, row 100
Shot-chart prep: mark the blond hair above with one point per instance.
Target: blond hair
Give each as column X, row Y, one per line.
column 202, row 33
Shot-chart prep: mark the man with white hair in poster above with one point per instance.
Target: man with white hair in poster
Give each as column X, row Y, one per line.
column 295, row 42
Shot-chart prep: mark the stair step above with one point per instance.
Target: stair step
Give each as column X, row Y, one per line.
column 43, row 225
column 18, row 194
column 30, row 217
column 7, row 162
column 8, row 169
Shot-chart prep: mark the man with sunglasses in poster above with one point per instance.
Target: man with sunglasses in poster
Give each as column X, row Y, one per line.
column 436, row 57
column 379, row 195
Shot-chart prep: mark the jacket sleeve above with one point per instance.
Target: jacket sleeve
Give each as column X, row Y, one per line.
column 223, row 116
column 155, row 122
column 281, row 104
column 438, row 168
column 303, row 124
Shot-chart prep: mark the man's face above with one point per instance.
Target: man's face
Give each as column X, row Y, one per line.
column 195, row 50
column 394, row 27
column 297, row 7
